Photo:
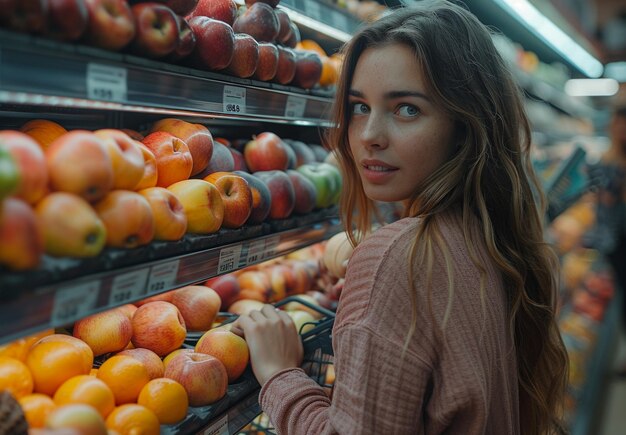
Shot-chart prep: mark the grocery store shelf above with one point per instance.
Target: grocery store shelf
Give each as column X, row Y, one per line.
column 329, row 21
column 84, row 77
column 64, row 290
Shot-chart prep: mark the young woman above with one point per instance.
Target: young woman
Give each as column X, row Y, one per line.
column 446, row 323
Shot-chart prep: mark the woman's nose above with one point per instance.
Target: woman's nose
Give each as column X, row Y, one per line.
column 375, row 131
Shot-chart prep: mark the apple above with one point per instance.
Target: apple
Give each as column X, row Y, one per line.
column 320, row 152
column 282, row 193
column 337, row 251
column 159, row 327
column 308, row 69
column 170, row 220
column 226, row 287
column 327, row 181
column 229, row 348
column 108, row 331
column 21, row 238
column 258, row 21
column 43, row 131
column 30, row 162
column 10, row 176
column 173, row 158
column 297, row 306
column 111, row 24
column 240, row 162
column 84, row 235
column 292, row 159
column 170, row 356
column 167, row 297
column 24, row 15
column 306, row 193
column 281, row 279
column 151, row 361
column 204, row 377
column 286, row 65
column 256, row 284
column 222, row 160
column 266, row 152
column 198, row 305
column 268, row 62
column 186, row 41
column 67, row 19
column 215, row 42
column 127, row 217
column 133, row 134
column 272, row 3
column 202, row 203
column 292, row 39
column 236, row 197
column 304, row 153
column 302, row 279
column 76, row 418
column 261, row 198
column 180, row 7
column 197, row 137
column 156, row 30
column 150, row 171
column 284, row 26
column 126, row 157
column 302, row 320
column 245, row 57
column 222, row 10
column 78, row 163
column 128, row 310
column 245, row 306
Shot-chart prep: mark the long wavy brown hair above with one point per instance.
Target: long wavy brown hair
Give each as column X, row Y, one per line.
column 489, row 177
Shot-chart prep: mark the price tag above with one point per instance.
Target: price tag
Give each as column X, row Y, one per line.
column 255, row 252
column 313, row 9
column 128, row 286
column 75, row 302
column 295, row 107
column 106, row 82
column 220, row 427
column 340, row 21
column 163, row 276
column 271, row 246
column 234, row 100
column 229, row 259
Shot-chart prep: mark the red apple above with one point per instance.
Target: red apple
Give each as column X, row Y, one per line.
column 226, row 287
column 21, row 239
column 24, row 15
column 105, row 332
column 284, row 26
column 150, row 170
column 203, row 376
column 258, row 21
column 149, row 359
column 215, row 43
column 156, row 30
column 170, row 220
column 292, row 39
column 126, row 157
column 174, row 161
column 30, row 162
column 236, row 197
column 282, row 192
column 111, row 24
column 272, row 3
column 261, row 198
column 245, row 57
column 198, row 305
column 268, row 62
column 197, row 137
column 304, row 154
column 186, row 41
column 229, row 348
column 166, row 297
column 67, row 19
column 286, row 65
column 222, row 10
column 202, row 203
column 308, row 69
column 127, row 217
column 306, row 193
column 222, row 160
column 240, row 162
column 159, row 327
column 266, row 152
column 245, row 306
column 180, row 7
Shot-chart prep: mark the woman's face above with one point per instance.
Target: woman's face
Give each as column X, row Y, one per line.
column 398, row 137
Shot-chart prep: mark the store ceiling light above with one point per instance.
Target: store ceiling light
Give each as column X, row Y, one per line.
column 616, row 70
column 591, row 87
column 551, row 34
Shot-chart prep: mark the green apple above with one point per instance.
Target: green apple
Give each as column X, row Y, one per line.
column 9, row 174
column 327, row 181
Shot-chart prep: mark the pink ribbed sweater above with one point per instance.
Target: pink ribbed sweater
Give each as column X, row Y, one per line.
column 467, row 385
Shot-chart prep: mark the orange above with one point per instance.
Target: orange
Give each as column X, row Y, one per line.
column 310, row 45
column 18, row 349
column 125, row 376
column 79, row 344
column 15, row 377
column 43, row 131
column 88, row 390
column 53, row 363
column 93, row 372
column 166, row 398
column 329, row 72
column 132, row 419
column 36, row 408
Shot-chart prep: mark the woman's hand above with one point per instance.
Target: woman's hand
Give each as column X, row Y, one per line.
column 273, row 341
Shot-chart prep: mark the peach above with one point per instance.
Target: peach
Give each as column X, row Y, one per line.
column 229, row 348
column 170, row 220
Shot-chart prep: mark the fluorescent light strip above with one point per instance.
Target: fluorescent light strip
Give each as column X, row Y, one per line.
column 312, row 24
column 591, row 87
column 532, row 18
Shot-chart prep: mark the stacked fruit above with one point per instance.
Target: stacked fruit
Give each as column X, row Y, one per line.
column 256, row 41
column 74, row 192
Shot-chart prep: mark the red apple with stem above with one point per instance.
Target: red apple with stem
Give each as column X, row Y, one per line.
column 204, row 377
column 268, row 62
column 222, row 10
column 67, row 19
column 156, row 30
column 246, row 56
column 236, row 197
column 282, row 192
column 215, row 43
column 158, row 326
column 111, row 24
column 24, row 15
column 286, row 65
column 186, row 41
column 261, row 198
column 266, row 152
column 258, row 21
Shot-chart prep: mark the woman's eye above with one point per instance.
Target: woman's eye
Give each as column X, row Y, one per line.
column 408, row 110
column 360, row 109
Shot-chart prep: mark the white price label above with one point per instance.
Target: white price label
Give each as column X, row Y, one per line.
column 255, row 252
column 295, row 107
column 106, row 82
column 128, row 286
column 75, row 302
column 313, row 9
column 271, row 246
column 340, row 21
column 163, row 276
column 229, row 259
column 220, row 427
column 234, row 100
